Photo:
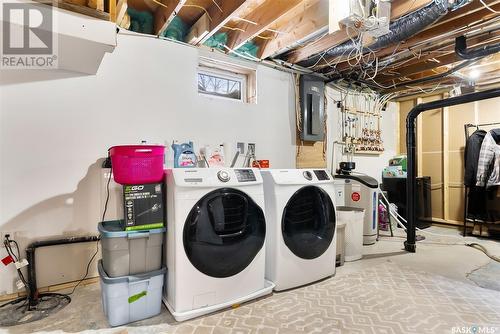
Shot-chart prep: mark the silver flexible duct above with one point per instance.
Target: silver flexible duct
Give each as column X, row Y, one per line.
column 401, row 30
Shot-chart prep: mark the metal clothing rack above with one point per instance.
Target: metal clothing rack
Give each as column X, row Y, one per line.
column 466, row 192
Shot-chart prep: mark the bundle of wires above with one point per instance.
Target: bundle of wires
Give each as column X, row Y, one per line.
column 11, row 313
column 20, row 311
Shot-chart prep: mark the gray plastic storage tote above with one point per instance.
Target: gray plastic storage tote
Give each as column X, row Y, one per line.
column 129, row 252
column 131, row 298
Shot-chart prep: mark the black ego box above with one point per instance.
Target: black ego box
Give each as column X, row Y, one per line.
column 144, row 206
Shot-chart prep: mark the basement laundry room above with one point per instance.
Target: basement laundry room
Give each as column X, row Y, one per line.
column 250, row 166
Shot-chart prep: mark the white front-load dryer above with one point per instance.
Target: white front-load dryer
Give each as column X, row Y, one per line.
column 301, row 224
column 215, row 240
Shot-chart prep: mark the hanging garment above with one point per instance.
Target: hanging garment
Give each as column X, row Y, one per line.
column 471, row 157
column 476, row 204
column 493, row 204
column 488, row 170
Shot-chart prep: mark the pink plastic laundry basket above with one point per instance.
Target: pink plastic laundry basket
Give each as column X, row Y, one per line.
column 137, row 164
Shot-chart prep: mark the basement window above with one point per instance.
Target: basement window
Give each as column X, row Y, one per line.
column 226, row 81
column 221, row 84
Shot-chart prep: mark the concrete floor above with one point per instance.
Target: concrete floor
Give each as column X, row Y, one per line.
column 436, row 255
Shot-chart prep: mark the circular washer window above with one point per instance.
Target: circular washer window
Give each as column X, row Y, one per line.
column 224, row 232
column 308, row 223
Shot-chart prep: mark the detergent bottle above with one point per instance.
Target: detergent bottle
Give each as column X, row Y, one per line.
column 213, row 157
column 184, row 156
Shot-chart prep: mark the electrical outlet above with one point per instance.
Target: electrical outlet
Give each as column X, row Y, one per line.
column 2, row 237
column 240, row 147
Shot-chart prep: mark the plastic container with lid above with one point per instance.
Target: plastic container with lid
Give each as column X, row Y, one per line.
column 130, row 252
column 131, row 298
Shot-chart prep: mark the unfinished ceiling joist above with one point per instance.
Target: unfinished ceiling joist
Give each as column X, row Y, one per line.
column 216, row 17
column 263, row 16
column 165, row 13
column 428, row 63
column 399, row 8
column 447, row 47
column 457, row 23
column 296, row 32
column 299, row 24
column 452, row 28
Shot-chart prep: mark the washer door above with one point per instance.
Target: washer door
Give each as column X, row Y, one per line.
column 224, row 232
column 308, row 223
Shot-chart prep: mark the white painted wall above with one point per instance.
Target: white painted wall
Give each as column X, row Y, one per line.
column 56, row 126
column 367, row 164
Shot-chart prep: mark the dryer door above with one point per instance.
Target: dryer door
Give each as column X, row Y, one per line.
column 224, row 232
column 308, row 222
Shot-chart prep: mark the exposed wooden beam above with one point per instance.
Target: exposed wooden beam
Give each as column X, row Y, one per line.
column 429, row 86
column 318, row 46
column 81, row 9
column 458, row 26
column 444, row 55
column 219, row 18
column 166, row 13
column 420, row 67
column 121, row 11
column 264, row 16
column 199, row 30
column 489, row 69
column 448, row 47
column 466, row 10
column 398, row 9
column 402, row 7
column 297, row 25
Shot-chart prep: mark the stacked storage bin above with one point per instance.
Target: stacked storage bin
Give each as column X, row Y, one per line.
column 130, row 270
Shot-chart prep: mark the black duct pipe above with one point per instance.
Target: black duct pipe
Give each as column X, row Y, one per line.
column 400, row 30
column 462, row 52
column 411, row 181
column 30, row 257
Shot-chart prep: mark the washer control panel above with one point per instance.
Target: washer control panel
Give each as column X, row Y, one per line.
column 223, row 176
column 321, row 175
column 245, row 175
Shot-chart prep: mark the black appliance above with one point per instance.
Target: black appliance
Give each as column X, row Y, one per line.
column 308, row 222
column 396, row 193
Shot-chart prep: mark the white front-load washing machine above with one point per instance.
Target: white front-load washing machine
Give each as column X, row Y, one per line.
column 301, row 225
column 215, row 240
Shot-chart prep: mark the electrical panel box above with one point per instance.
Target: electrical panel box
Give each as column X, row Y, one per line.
column 312, row 102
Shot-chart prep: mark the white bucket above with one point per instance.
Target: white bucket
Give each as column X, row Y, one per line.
column 354, row 220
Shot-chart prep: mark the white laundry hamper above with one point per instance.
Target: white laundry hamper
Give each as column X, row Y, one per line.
column 353, row 218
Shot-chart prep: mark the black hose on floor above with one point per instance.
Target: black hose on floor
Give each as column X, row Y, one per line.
column 484, row 250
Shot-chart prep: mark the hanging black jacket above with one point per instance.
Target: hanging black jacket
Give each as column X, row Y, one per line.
column 471, row 157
